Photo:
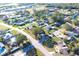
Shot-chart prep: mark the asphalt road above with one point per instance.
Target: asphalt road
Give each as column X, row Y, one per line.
column 33, row 41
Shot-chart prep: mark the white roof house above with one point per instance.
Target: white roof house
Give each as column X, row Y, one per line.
column 14, row 16
column 56, row 33
column 7, row 36
column 13, row 39
column 1, row 44
column 59, row 34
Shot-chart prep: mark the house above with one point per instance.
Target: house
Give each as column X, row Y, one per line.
column 70, row 34
column 76, row 30
column 7, row 36
column 71, row 39
column 1, row 33
column 15, row 16
column 46, row 20
column 29, row 49
column 59, row 34
column 64, row 50
column 13, row 40
column 61, row 44
column 44, row 38
column 51, row 20
column 1, row 44
column 57, row 24
column 48, row 27
column 75, row 15
column 20, row 23
column 3, row 17
column 40, row 23
column 31, row 19
column 52, row 9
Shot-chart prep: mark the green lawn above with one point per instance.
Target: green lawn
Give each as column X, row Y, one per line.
column 14, row 32
column 51, row 31
column 46, row 32
column 30, row 33
column 49, row 49
column 57, row 39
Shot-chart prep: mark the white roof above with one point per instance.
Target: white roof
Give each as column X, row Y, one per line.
column 68, row 38
column 1, row 44
column 7, row 35
column 13, row 39
column 56, row 33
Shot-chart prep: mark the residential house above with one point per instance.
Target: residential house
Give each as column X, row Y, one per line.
column 3, row 17
column 75, row 15
column 59, row 34
column 13, row 41
column 9, row 39
column 29, row 49
column 57, row 24
column 44, row 38
column 31, row 19
column 46, row 20
column 20, row 23
column 76, row 30
column 63, row 48
column 48, row 27
column 7, row 36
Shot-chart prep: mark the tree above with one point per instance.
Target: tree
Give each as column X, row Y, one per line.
column 76, row 51
column 40, row 14
column 20, row 38
column 36, row 30
column 1, row 39
column 58, row 17
column 75, row 22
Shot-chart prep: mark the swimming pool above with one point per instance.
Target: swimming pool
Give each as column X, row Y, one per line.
column 1, row 50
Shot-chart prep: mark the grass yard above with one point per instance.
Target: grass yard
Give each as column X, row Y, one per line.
column 14, row 32
column 57, row 39
column 30, row 33
column 49, row 49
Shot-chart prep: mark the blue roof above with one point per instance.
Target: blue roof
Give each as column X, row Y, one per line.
column 74, row 16
column 44, row 38
column 26, row 49
column 31, row 19
column 57, row 23
column 46, row 20
column 21, row 22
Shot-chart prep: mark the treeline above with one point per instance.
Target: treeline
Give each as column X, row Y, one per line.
column 64, row 5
